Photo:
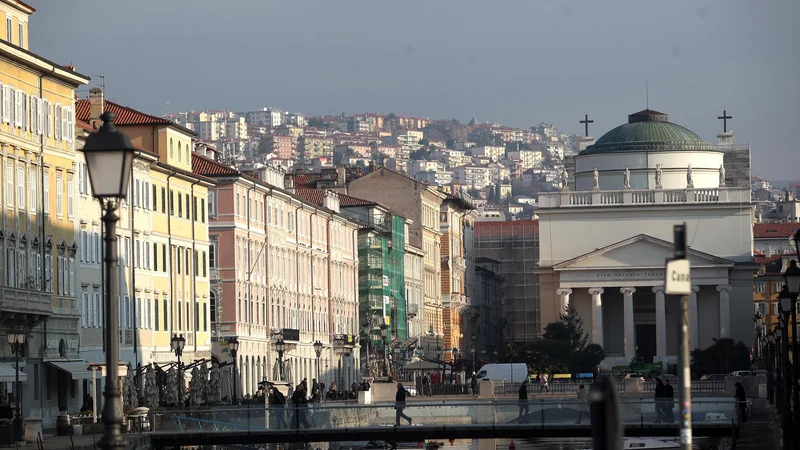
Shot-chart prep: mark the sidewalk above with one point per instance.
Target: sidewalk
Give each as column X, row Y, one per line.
column 83, row 442
column 762, row 432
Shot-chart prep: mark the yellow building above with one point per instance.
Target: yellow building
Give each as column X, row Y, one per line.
column 767, row 286
column 163, row 232
column 38, row 285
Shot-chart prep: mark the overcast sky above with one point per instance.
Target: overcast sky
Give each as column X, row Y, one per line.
column 513, row 62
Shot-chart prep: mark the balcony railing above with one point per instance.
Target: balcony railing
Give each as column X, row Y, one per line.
column 567, row 199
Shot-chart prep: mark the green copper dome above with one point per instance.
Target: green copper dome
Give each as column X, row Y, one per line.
column 646, row 131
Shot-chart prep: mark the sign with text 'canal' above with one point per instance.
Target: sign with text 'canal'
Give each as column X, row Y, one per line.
column 678, row 279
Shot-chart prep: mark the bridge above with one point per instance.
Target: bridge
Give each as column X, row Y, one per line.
column 544, row 418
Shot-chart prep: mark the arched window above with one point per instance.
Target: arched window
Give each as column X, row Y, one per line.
column 171, row 149
column 179, row 151
column 188, row 158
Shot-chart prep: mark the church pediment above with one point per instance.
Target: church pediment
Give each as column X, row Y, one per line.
column 638, row 251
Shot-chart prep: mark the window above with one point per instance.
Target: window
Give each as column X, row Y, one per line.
column 128, row 316
column 136, row 201
column 57, row 121
column 155, row 313
column 72, row 278
column 779, row 286
column 97, row 248
column 48, row 267
column 197, row 316
column 166, row 316
column 179, row 321
column 194, row 208
column 97, row 318
column 70, row 198
column 171, row 149
column 188, row 214
column 46, row 192
column 155, row 256
column 84, row 246
column 212, row 203
column 138, row 313
column 205, row 317
column 171, row 202
column 188, row 161
column 9, row 28
column 180, row 206
column 212, row 253
column 137, row 255
column 155, row 198
column 164, row 258
column 760, row 286
column 32, row 189
column 178, row 260
column 20, row 187
column 59, row 195
column 202, row 211
column 85, row 316
column 205, row 267
column 9, row 185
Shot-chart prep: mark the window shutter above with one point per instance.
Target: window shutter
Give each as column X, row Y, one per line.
column 57, row 121
column 26, row 111
column 40, row 123
column 96, row 310
column 49, row 118
column 72, row 276
column 65, row 123
column 18, row 114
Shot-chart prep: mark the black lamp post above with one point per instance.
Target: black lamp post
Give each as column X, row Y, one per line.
column 453, row 366
column 786, row 417
column 318, row 351
column 280, row 346
column 366, row 328
column 779, row 363
column 109, row 158
column 384, row 335
column 770, row 368
column 792, row 277
column 16, row 338
column 758, row 320
column 177, row 343
column 438, row 361
column 233, row 347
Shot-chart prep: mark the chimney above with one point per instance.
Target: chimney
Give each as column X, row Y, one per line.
column 96, row 107
column 341, row 176
column 288, row 183
column 331, row 201
column 768, row 251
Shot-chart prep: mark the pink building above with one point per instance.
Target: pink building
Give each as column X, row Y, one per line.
column 281, row 268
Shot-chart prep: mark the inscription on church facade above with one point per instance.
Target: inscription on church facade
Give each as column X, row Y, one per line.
column 631, row 275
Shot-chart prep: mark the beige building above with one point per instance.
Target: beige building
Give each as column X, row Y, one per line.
column 420, row 204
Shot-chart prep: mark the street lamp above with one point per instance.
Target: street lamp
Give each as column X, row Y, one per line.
column 770, row 368
column 177, row 343
column 792, row 277
column 109, row 158
column 280, row 346
column 16, row 338
column 233, row 347
column 384, row 334
column 779, row 359
column 453, row 366
column 318, row 351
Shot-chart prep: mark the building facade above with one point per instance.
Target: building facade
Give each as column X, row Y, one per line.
column 38, row 259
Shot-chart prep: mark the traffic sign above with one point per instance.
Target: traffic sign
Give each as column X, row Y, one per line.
column 678, row 278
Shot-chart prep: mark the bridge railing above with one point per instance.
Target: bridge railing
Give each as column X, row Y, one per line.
column 571, row 387
column 540, row 412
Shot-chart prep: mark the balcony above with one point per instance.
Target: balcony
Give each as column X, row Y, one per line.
column 628, row 197
column 412, row 310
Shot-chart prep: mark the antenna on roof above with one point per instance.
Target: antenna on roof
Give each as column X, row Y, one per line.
column 647, row 92
column 102, row 81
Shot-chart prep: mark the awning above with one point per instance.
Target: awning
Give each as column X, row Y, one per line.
column 8, row 373
column 76, row 369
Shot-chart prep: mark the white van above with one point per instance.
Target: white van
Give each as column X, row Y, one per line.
column 508, row 372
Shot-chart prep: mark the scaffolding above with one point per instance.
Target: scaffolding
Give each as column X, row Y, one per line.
column 515, row 245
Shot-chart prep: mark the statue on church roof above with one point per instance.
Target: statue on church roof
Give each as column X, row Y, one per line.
column 721, row 175
column 627, row 177
column 565, row 179
column 596, row 179
column 659, row 174
column 689, row 178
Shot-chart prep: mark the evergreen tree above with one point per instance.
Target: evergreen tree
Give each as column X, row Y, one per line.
column 568, row 329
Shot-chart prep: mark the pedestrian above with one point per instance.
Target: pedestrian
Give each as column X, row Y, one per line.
column 400, row 404
column 669, row 401
column 741, row 402
column 544, row 383
column 278, row 401
column 426, row 385
column 523, row 401
column 583, row 404
column 314, row 391
column 474, row 384
column 300, row 403
column 659, row 400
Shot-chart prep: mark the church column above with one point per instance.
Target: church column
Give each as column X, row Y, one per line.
column 630, row 340
column 661, row 322
column 693, row 331
column 564, row 293
column 597, row 315
column 724, row 311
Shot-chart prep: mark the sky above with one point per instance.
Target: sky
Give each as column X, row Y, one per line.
column 514, row 62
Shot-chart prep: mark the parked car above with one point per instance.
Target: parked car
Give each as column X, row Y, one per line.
column 714, row 377
column 742, row 373
column 509, row 372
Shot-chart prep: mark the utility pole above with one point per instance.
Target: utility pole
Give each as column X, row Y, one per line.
column 678, row 281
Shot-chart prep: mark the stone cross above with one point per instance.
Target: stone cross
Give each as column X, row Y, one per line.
column 586, row 123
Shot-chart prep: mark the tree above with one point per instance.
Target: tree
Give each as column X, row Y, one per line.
column 315, row 122
column 723, row 356
column 568, row 329
column 419, row 154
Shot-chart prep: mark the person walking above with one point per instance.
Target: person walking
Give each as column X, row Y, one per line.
column 741, row 402
column 474, row 384
column 659, row 400
column 400, row 404
column 523, row 401
column 669, row 401
column 314, row 391
column 300, row 402
column 426, row 385
column 278, row 401
column 583, row 404
column 544, row 383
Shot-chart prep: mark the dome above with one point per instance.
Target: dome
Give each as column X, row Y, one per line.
column 645, row 131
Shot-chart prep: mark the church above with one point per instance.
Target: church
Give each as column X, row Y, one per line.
column 606, row 234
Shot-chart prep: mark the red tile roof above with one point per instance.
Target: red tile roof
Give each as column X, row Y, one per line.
column 125, row 115
column 766, row 259
column 775, row 230
column 202, row 165
column 317, row 196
